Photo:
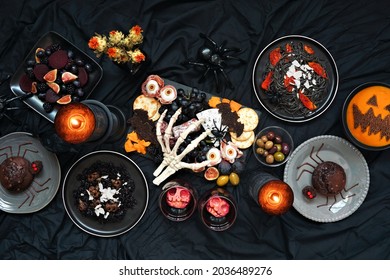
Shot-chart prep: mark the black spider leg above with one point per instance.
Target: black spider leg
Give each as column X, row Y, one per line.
column 223, row 50
column 207, row 69
column 211, row 41
column 4, row 108
column 225, row 76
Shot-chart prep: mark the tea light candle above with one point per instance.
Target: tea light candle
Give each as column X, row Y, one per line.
column 275, row 197
column 75, row 123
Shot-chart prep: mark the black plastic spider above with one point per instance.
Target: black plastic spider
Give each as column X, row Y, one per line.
column 218, row 133
column 213, row 58
column 5, row 103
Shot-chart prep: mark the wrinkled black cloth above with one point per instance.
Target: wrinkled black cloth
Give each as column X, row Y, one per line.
column 356, row 33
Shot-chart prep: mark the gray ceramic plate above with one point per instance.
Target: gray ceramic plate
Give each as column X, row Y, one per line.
column 340, row 151
column 90, row 225
column 35, row 197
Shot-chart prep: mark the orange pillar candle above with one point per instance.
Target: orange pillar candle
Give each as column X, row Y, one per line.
column 275, row 197
column 75, row 123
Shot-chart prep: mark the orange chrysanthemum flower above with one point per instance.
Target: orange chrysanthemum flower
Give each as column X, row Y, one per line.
column 93, row 43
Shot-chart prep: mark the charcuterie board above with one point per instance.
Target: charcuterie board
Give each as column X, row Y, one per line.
column 201, row 132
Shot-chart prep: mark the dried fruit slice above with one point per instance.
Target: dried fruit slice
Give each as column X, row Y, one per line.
column 40, row 71
column 211, row 173
column 83, row 76
column 58, row 59
column 55, row 87
column 66, row 99
column 34, row 87
column 50, row 76
column 25, row 83
column 68, row 77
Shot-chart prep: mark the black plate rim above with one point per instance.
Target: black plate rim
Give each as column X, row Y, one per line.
column 332, row 94
column 344, row 111
column 14, row 82
column 88, row 229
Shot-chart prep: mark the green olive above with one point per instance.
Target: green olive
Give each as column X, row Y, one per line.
column 278, row 147
column 279, row 156
column 222, row 180
column 234, row 179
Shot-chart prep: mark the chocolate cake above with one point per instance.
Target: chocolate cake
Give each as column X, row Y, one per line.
column 329, row 178
column 17, row 173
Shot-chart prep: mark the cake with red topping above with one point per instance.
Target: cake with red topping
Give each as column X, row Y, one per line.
column 17, row 173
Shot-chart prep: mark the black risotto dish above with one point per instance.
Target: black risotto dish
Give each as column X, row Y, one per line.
column 105, row 192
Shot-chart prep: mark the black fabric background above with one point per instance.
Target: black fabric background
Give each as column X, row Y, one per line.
column 357, row 34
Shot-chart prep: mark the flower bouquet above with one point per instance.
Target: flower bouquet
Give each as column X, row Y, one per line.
column 120, row 48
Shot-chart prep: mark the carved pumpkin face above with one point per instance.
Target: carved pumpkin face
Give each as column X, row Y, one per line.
column 368, row 116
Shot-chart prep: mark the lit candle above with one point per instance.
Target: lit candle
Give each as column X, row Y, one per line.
column 275, row 197
column 75, row 123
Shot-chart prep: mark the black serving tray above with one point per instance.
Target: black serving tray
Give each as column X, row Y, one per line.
column 46, row 40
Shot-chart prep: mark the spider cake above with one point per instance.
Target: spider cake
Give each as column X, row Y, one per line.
column 105, row 192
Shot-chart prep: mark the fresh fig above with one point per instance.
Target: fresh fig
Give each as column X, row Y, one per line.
column 68, row 77
column 224, row 167
column 50, row 76
column 66, row 99
column 55, row 87
column 211, row 173
column 238, row 166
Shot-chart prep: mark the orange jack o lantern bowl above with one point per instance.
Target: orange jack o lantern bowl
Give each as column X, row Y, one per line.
column 366, row 116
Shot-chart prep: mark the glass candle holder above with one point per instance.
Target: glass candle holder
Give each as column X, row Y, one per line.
column 218, row 209
column 178, row 200
column 274, row 196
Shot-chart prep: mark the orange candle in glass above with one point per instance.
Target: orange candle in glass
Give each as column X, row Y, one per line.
column 275, row 197
column 75, row 123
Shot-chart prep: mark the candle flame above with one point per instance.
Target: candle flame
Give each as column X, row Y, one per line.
column 275, row 197
column 76, row 122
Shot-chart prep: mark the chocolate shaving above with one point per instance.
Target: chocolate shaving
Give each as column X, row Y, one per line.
column 230, row 118
column 372, row 101
column 374, row 124
column 143, row 126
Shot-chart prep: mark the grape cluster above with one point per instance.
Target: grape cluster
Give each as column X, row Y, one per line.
column 191, row 102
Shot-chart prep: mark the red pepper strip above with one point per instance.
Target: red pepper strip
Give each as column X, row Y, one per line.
column 275, row 56
column 306, row 101
column 289, row 48
column 267, row 81
column 318, row 69
column 308, row 49
column 288, row 83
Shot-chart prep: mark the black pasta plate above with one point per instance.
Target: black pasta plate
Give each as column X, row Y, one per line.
column 46, row 40
column 321, row 52
column 93, row 226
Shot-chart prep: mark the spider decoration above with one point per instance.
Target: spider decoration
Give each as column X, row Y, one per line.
column 218, row 133
column 5, row 104
column 213, row 59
